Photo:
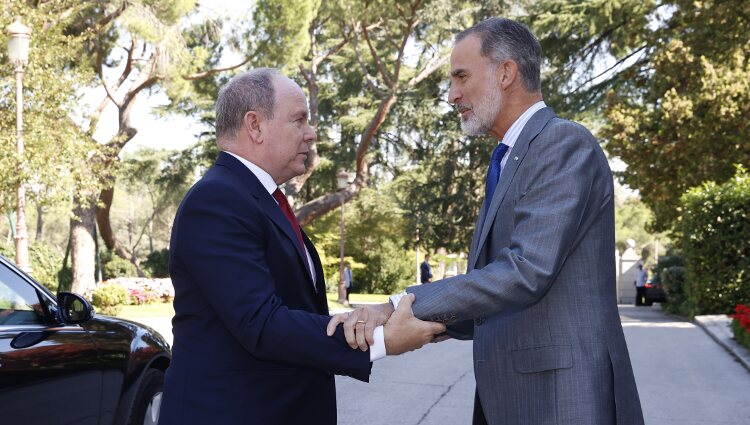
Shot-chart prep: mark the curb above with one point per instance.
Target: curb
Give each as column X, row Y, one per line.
column 718, row 327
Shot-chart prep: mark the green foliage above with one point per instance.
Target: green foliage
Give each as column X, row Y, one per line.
column 45, row 262
column 631, row 218
column 577, row 37
column 681, row 117
column 109, row 299
column 114, row 266
column 56, row 156
column 714, row 227
column 673, row 280
column 375, row 236
column 284, row 23
column 157, row 263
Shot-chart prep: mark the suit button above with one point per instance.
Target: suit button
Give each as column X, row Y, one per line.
column 478, row 321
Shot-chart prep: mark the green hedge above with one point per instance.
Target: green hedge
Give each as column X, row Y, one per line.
column 157, row 263
column 109, row 299
column 714, row 230
column 45, row 262
column 114, row 266
column 741, row 334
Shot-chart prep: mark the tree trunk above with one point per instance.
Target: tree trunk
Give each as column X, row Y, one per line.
column 108, row 235
column 39, row 222
column 83, row 251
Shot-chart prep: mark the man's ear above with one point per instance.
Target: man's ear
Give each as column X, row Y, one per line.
column 251, row 123
column 507, row 73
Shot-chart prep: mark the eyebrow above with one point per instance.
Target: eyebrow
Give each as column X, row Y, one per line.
column 301, row 113
column 458, row 71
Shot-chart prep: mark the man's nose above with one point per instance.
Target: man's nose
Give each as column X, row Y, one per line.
column 454, row 95
column 311, row 135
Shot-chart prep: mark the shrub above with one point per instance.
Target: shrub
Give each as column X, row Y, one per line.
column 114, row 266
column 157, row 263
column 714, row 228
column 45, row 262
column 673, row 281
column 144, row 290
column 109, row 299
column 741, row 325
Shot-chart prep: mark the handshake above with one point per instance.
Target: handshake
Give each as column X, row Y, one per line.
column 402, row 331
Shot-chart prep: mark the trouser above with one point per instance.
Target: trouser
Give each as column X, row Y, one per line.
column 640, row 295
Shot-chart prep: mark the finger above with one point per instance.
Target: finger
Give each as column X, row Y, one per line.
column 360, row 329
column 404, row 306
column 334, row 322
column 369, row 327
column 436, row 328
column 349, row 331
column 441, row 338
column 361, row 342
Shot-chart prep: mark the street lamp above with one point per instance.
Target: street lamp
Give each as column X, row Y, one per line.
column 342, row 179
column 18, row 52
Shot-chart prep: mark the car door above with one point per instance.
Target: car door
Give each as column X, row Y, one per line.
column 49, row 372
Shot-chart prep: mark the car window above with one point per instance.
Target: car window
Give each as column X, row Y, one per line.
column 19, row 301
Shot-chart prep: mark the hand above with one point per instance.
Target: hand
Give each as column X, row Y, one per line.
column 360, row 324
column 403, row 332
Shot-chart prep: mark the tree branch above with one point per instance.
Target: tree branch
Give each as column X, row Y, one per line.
column 428, row 70
column 376, row 58
column 100, row 72
column 369, row 79
column 616, row 64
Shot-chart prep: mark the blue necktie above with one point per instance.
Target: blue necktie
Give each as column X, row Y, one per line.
column 493, row 174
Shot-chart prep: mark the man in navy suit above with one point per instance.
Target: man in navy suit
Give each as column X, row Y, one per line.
column 250, row 308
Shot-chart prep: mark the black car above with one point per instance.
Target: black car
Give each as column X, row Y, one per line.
column 654, row 293
column 61, row 364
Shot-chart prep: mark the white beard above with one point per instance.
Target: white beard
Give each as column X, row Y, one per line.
column 484, row 112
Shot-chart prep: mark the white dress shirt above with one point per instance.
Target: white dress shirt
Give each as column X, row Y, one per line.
column 377, row 351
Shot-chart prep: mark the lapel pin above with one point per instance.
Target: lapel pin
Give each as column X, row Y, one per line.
column 516, row 158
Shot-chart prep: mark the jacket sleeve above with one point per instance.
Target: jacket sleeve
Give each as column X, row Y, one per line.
column 221, row 245
column 562, row 185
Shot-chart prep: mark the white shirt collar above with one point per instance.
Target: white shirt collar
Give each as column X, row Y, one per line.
column 265, row 179
column 515, row 130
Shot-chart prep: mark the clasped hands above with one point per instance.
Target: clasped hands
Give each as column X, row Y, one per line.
column 402, row 331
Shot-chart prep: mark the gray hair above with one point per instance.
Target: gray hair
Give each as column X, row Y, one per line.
column 249, row 91
column 503, row 39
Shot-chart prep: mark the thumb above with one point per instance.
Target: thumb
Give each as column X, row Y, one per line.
column 404, row 306
column 436, row 328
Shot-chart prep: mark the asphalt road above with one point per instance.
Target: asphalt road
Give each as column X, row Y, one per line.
column 683, row 377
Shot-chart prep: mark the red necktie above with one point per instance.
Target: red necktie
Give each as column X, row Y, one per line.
column 289, row 214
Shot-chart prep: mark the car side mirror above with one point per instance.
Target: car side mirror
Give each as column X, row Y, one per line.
column 74, row 309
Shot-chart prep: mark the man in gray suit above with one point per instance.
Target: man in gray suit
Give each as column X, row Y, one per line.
column 538, row 298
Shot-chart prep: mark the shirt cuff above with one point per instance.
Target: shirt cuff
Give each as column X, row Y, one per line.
column 377, row 350
column 395, row 299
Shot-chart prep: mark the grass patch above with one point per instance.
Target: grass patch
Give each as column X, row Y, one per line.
column 146, row 310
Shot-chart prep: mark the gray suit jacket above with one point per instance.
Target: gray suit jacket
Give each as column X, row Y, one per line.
column 539, row 295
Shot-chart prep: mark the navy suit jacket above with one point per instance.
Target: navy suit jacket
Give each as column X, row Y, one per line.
column 249, row 329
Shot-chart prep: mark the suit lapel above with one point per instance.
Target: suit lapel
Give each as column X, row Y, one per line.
column 320, row 288
column 533, row 127
column 267, row 203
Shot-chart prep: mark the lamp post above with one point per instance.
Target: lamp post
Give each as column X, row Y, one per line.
column 18, row 52
column 342, row 179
